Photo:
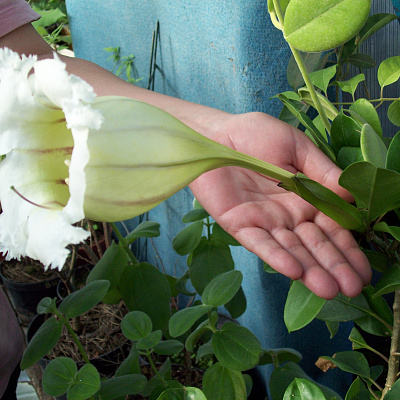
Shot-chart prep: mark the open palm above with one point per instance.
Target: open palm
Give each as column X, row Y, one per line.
column 288, row 233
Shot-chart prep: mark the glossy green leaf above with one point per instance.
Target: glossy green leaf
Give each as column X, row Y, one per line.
column 186, row 393
column 327, row 202
column 58, row 376
column 136, row 325
column 394, row 113
column 42, row 342
column 283, row 376
column 348, row 155
column 319, row 26
column 145, row 288
column 279, row 356
column 394, row 392
column 389, row 71
column 358, row 341
column 389, row 282
column 168, row 347
column 145, row 229
column 114, row 388
column 188, row 238
column 333, row 328
column 303, row 389
column 360, row 60
column 184, row 319
column 350, row 86
column 345, row 132
column 322, row 78
column 352, row 362
column 330, row 110
column 358, row 391
column 194, row 215
column 150, row 341
column 86, row 383
column 372, row 146
column 221, row 383
column 81, row 301
column 236, row 347
column 237, row 305
column 342, row 309
column 393, row 154
column 209, row 260
column 375, row 190
column 364, row 112
column 374, row 23
column 301, row 307
column 222, row 288
column 110, row 267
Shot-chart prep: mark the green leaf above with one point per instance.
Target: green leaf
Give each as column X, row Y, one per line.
column 365, row 113
column 49, row 17
column 319, row 26
column 195, row 215
column 279, row 356
column 372, row 146
column 393, row 154
column 378, row 261
column 188, row 238
column 86, row 383
column 221, row 383
column 192, row 339
column 312, row 61
column 389, row 71
column 184, row 319
column 301, row 307
column 121, row 386
column 145, row 229
column 350, row 86
column 352, row 362
column 345, row 132
column 373, row 24
column 209, row 260
column 358, row 341
column 168, row 347
column 389, row 282
column 327, row 202
column 237, row 305
column 357, row 391
column 360, row 60
column 110, row 267
column 322, row 78
column 136, row 325
column 222, row 288
column 150, row 341
column 330, row 110
column 145, row 288
column 46, row 305
column 58, row 376
column 42, row 342
column 375, row 190
column 303, row 389
column 130, row 365
column 394, row 392
column 236, row 347
column 186, row 393
column 394, row 113
column 349, row 155
column 219, row 234
column 81, row 301
column 333, row 328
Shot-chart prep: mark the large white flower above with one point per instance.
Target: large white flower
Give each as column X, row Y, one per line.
column 70, row 155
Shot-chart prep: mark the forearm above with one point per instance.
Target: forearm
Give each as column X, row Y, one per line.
column 205, row 120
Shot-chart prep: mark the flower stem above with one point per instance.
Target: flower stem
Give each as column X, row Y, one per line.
column 393, row 366
column 124, row 243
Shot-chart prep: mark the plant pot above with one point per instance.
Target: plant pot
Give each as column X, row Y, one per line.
column 25, row 296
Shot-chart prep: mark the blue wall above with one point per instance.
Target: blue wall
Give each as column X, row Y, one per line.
column 223, row 54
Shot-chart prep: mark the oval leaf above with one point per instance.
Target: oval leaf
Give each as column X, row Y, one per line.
column 389, row 71
column 322, row 25
column 372, row 146
column 188, row 238
column 186, row 393
column 184, row 319
column 136, row 325
column 301, row 307
column 393, row 154
column 121, row 386
column 58, row 375
column 303, row 389
column 86, row 383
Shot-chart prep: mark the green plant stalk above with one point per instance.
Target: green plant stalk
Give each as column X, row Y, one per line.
column 74, row 337
column 304, row 72
column 393, row 366
column 153, row 366
column 124, row 243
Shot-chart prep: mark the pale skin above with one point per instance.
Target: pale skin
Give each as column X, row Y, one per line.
column 289, row 234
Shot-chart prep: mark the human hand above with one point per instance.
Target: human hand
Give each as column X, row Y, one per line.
column 288, row 233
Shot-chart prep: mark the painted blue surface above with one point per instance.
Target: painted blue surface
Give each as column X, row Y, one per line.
column 223, row 54
column 396, row 5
